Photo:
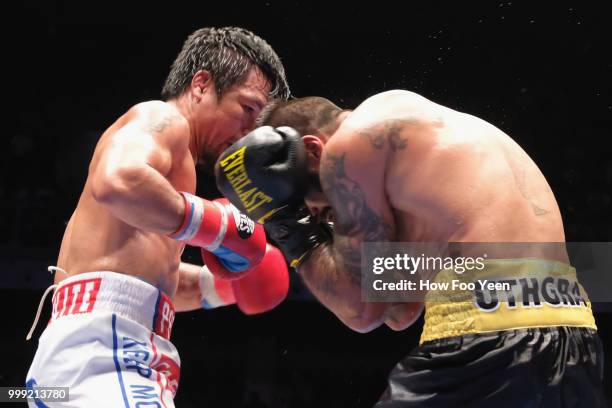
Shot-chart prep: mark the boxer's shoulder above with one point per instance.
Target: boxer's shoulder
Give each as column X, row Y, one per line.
column 158, row 120
column 392, row 110
column 386, row 102
column 158, row 116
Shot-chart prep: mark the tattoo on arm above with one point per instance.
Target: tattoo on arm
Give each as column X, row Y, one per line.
column 355, row 221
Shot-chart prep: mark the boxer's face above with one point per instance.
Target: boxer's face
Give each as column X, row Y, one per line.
column 225, row 119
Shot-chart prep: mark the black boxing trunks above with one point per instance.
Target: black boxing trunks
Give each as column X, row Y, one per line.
column 532, row 345
column 533, row 367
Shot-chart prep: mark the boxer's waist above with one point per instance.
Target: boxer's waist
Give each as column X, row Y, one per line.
column 118, row 293
column 507, row 294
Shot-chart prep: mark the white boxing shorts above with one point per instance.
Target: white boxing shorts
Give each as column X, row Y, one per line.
column 108, row 341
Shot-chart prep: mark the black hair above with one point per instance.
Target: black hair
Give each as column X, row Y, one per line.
column 228, row 53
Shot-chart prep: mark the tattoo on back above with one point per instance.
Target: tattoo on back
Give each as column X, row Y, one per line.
column 354, row 217
column 390, row 131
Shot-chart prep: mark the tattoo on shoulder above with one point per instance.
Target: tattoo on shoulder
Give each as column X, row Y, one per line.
column 388, row 131
column 159, row 124
column 355, row 220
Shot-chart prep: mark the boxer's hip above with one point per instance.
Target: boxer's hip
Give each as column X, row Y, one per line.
column 108, row 341
column 507, row 294
column 94, row 293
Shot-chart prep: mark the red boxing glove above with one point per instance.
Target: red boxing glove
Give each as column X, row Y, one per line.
column 237, row 242
column 265, row 286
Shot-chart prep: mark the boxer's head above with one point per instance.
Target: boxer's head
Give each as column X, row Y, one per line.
column 316, row 119
column 221, row 79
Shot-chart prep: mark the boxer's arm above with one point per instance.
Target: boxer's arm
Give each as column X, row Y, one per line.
column 188, row 293
column 402, row 315
column 130, row 176
column 198, row 288
column 352, row 176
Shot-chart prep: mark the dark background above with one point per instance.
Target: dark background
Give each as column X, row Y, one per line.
column 540, row 72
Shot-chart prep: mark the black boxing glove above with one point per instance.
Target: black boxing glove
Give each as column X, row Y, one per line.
column 296, row 233
column 265, row 174
column 264, row 171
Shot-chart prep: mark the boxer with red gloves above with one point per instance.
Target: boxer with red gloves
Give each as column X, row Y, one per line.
column 246, row 270
column 231, row 242
column 121, row 251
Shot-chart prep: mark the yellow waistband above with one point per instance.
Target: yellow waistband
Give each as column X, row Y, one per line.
column 542, row 293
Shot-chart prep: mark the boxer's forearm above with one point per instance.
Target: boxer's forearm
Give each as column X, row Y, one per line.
column 141, row 197
column 198, row 288
column 336, row 284
column 188, row 294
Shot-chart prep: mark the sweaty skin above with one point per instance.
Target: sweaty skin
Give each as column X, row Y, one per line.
column 403, row 168
column 131, row 200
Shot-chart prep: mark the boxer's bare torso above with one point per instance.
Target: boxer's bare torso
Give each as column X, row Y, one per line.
column 96, row 239
column 402, row 168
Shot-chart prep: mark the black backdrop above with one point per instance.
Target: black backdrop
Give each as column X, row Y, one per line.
column 541, row 72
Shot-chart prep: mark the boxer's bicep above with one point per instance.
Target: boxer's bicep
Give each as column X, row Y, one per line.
column 352, row 177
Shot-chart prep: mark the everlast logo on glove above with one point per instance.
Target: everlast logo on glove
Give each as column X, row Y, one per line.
column 235, row 171
column 244, row 224
column 266, row 174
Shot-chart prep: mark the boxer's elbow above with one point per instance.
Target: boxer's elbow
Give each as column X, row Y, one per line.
column 365, row 318
column 113, row 185
column 360, row 325
column 403, row 315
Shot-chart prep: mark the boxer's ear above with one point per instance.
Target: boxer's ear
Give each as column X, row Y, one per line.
column 314, row 150
column 201, row 82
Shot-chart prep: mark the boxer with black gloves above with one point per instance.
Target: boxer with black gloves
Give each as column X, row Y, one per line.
column 401, row 168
